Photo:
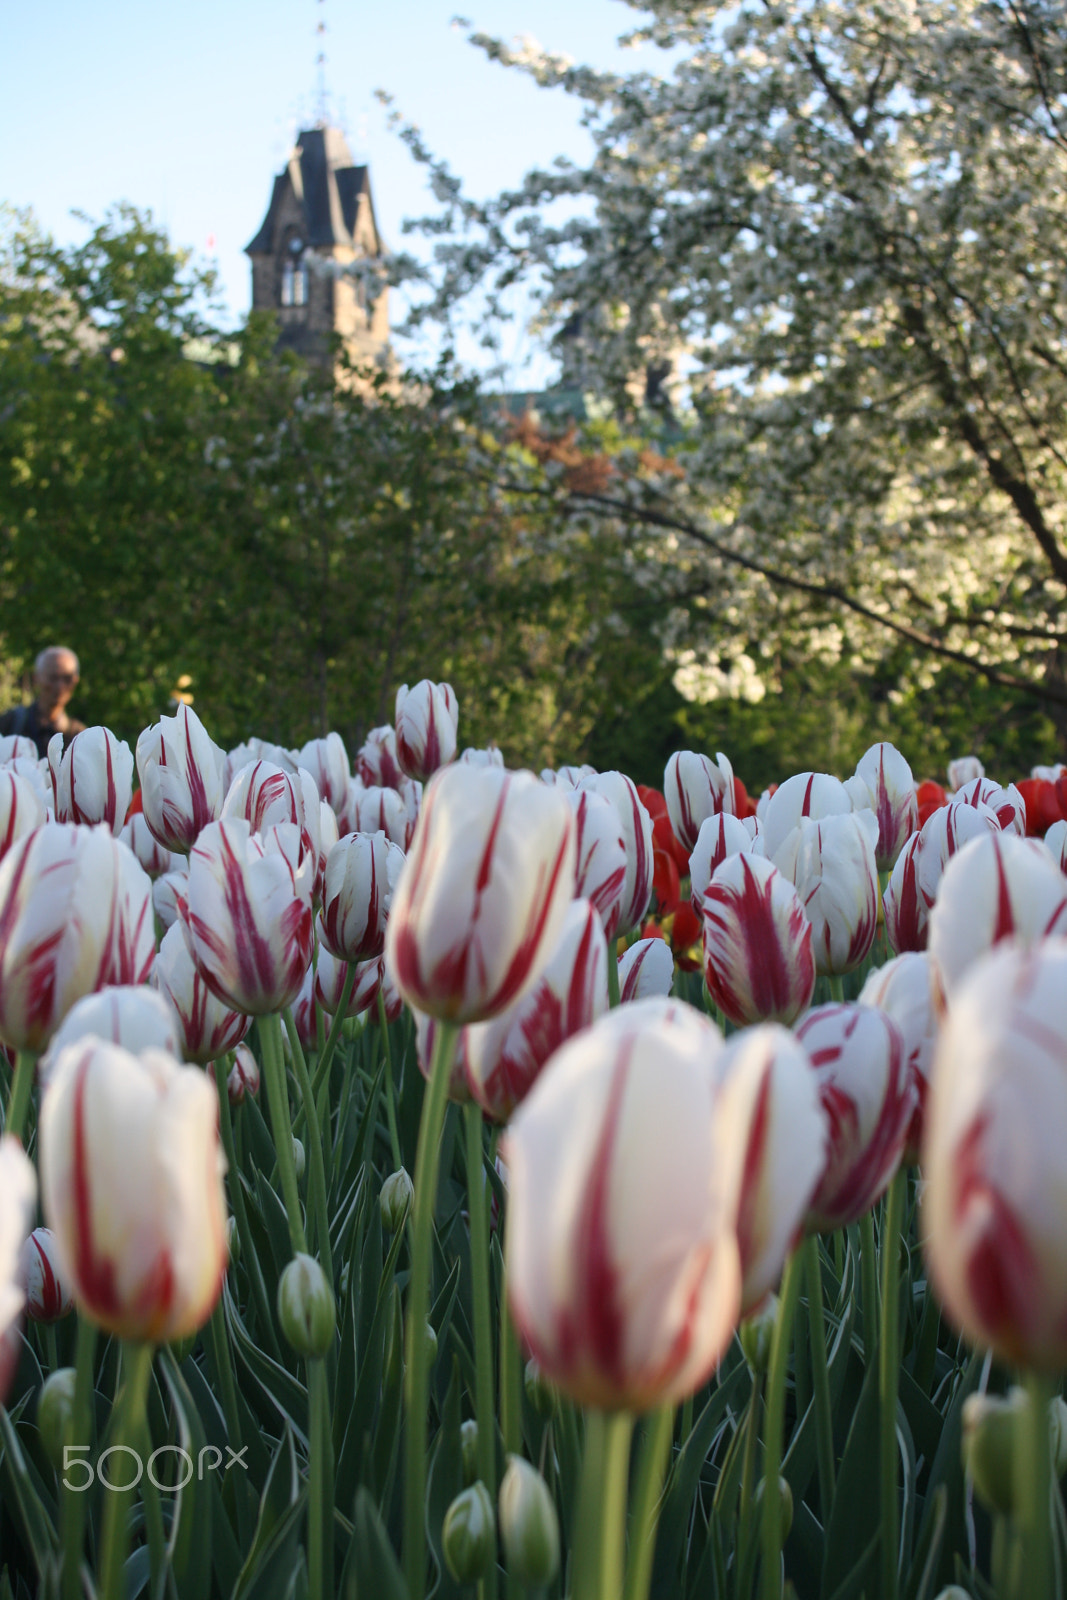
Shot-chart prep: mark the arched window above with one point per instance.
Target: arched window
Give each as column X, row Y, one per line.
column 294, row 275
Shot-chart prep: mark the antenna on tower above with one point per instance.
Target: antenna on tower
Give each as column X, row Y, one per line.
column 321, row 107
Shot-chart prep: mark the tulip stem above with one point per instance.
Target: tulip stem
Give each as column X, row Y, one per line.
column 237, row 1202
column 600, row 1535
column 390, row 1108
column 18, row 1105
column 270, row 1032
column 652, row 1461
column 837, row 988
column 417, row 1377
column 889, row 1381
column 771, row 1531
column 483, row 1326
column 510, row 1390
column 318, row 1169
column 1034, row 1493
column 869, row 1277
column 129, row 1423
column 824, row 1420
column 336, row 1024
column 81, row 1437
column 613, row 975
column 320, row 1484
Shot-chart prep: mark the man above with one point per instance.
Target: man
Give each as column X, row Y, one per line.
column 55, row 677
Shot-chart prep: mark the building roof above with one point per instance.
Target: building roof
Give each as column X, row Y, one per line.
column 327, row 185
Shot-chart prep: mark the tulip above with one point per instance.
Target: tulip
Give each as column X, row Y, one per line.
column 1056, row 844
column 720, row 836
column 48, row 1295
column 254, row 750
column 74, row 917
column 209, row 1026
column 567, row 777
column 169, row 894
column 601, row 855
column 1007, row 805
column 997, row 887
column 141, row 1239
column 95, row 780
column 930, row 797
column 483, row 895
column 492, row 757
column 695, row 789
column 646, row 970
column 132, row 1015
column 505, row 1056
column 806, row 794
column 868, row 1093
column 623, row 1269
column 36, row 773
column 264, row 795
column 426, row 720
column 996, row 1187
column 327, row 761
column 307, row 1310
column 377, row 763
column 964, row 770
column 154, row 858
column 468, row 1534
column 243, row 1079
column 911, row 990
column 776, row 1148
column 16, row 747
column 529, row 1527
column 426, row 1041
column 904, row 905
column 181, row 770
column 832, row 866
column 359, row 884
column 249, row 914
column 18, row 1195
column 637, row 837
column 330, row 982
column 394, row 1201
column 377, row 810
column 758, row 960
column 21, row 809
column 890, row 794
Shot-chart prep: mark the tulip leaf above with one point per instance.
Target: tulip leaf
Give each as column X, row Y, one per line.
column 372, row 1571
column 945, row 1472
column 278, row 1525
column 24, row 1489
column 444, row 1481
column 684, row 1476
column 854, row 1518
column 276, row 1222
column 285, row 1393
column 369, row 1359
column 190, row 1543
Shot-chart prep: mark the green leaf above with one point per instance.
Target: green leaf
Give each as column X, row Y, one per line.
column 190, row 1543
column 372, row 1571
column 24, row 1490
column 268, row 1567
column 286, row 1394
column 854, row 1519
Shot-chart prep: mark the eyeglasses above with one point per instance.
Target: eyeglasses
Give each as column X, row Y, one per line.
column 62, row 677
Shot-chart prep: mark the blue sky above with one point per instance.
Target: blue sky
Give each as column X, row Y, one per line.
column 189, row 109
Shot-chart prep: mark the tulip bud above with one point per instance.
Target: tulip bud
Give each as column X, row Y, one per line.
column 18, row 1194
column 785, row 1506
column 600, row 850
column 21, row 809
column 904, row 905
column 327, row 761
column 1007, row 805
column 170, row 892
column 55, row 1414
column 756, row 1334
column 426, row 719
column 805, row 794
column 637, row 838
column 719, row 837
column 48, row 1294
column 243, row 1077
column 646, row 970
column 299, row 1159
column 395, row 1200
column 154, row 857
column 831, row 864
column 468, row 1445
column 964, row 770
column 377, row 764
column 307, row 1311
column 131, row 1015
column 468, row 1537
column 540, row 1394
column 95, row 780
column 180, row 769
column 357, row 892
column 758, row 959
column 233, row 1236
column 529, row 1527
column 209, row 1027
column 889, row 791
column 993, row 1434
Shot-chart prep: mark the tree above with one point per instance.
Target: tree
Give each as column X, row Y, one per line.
column 844, row 223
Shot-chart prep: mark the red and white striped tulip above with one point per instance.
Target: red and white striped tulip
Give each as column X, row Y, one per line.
column 16, row 747
column 483, row 895
column 997, row 887
column 330, row 981
column 48, row 1294
column 142, row 1239
column 601, row 855
column 759, row 965
column 132, row 1015
column 21, row 809
column 964, row 770
column 264, row 795
column 209, row 1026
column 359, row 884
column 695, row 789
column 248, row 913
column 646, row 971
column 94, row 782
column 568, row 777
column 169, row 894
column 775, row 1151
column 637, row 837
column 804, row 795
column 181, row 771
column 904, row 904
column 1007, row 805
column 1056, row 844
column 377, row 762
column 868, row 1093
column 18, row 1196
column 505, row 1056
column 995, row 1194
column 154, row 858
column 623, row 1268
column 252, row 750
column 378, row 810
column 243, row 1080
column 426, row 720
column 327, row 761
column 832, row 866
column 75, row 915
column 911, row 990
column 492, row 757
column 39, row 777
column 720, row 836
column 889, row 791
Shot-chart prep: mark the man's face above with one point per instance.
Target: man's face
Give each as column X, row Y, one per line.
column 56, row 681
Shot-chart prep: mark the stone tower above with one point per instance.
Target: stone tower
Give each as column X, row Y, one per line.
column 320, row 221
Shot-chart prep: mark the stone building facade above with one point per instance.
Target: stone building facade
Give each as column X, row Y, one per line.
column 319, row 223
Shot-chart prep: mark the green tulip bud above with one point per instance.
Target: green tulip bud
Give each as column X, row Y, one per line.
column 233, row 1239
column 468, row 1536
column 953, row 1592
column 299, row 1160
column 990, row 1440
column 540, row 1394
column 395, row 1200
column 756, row 1335
column 785, row 1505
column 307, row 1311
column 529, row 1526
column 55, row 1411
column 468, row 1443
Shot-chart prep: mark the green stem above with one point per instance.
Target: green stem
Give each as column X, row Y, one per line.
column 81, row 1435
column 417, row 1386
column 240, row 1211
column 889, row 1381
column 869, row 1276
column 1034, row 1492
column 770, row 1575
column 270, row 1032
column 600, row 1533
column 130, row 1422
column 320, row 1485
column 613, row 974
column 336, row 1024
column 18, row 1105
column 837, row 987
column 652, row 1461
column 747, row 1532
column 510, row 1382
column 153, row 1517
column 390, row 1108
column 820, row 1377
column 318, row 1169
column 483, row 1325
